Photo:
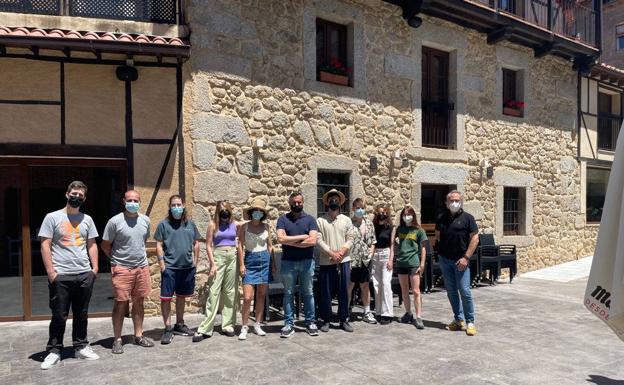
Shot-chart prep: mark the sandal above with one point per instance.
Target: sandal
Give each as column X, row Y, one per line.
column 142, row 341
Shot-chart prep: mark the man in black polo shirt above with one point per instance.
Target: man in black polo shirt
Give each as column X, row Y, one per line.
column 457, row 239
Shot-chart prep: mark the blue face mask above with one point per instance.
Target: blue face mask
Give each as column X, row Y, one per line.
column 177, row 212
column 359, row 212
column 257, row 215
column 132, row 207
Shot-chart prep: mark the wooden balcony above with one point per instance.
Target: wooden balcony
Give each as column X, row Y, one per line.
column 151, row 11
column 565, row 28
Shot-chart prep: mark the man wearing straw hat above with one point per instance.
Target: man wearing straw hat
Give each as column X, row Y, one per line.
column 336, row 235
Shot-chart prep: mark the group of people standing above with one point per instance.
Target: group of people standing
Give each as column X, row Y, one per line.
column 352, row 251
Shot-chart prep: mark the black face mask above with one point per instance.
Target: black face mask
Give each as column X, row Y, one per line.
column 296, row 209
column 75, row 201
column 382, row 217
column 334, row 206
column 224, row 214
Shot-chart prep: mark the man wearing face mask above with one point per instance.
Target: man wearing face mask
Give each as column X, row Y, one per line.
column 177, row 248
column 457, row 238
column 70, row 257
column 336, row 236
column 297, row 232
column 123, row 242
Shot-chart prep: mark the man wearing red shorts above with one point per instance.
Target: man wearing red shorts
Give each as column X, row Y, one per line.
column 124, row 243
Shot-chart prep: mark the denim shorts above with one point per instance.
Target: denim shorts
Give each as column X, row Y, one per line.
column 180, row 282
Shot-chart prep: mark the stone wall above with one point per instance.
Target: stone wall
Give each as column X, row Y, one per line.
column 247, row 80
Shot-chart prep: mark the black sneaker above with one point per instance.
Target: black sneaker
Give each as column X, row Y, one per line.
column 198, row 337
column 312, row 329
column 228, row 333
column 167, row 336
column 287, row 331
column 325, row 327
column 407, row 318
column 385, row 320
column 182, row 330
column 346, row 326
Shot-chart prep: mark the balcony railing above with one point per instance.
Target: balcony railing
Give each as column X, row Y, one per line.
column 608, row 130
column 436, row 124
column 153, row 11
column 564, row 17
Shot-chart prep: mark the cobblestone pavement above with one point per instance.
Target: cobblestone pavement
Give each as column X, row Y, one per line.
column 530, row 332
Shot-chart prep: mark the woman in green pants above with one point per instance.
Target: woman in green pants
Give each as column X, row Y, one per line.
column 221, row 244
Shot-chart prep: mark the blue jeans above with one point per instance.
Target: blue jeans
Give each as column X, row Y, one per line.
column 458, row 281
column 304, row 271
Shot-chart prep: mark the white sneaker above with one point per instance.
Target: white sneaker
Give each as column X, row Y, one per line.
column 258, row 330
column 243, row 333
column 51, row 360
column 87, row 353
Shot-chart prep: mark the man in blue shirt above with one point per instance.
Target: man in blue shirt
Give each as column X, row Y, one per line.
column 297, row 232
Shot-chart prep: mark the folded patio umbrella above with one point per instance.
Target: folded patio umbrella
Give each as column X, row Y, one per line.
column 604, row 295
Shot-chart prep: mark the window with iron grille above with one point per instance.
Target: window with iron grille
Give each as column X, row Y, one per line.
column 512, row 103
column 436, row 106
column 609, row 121
column 332, row 180
column 512, row 211
column 597, row 179
column 332, row 56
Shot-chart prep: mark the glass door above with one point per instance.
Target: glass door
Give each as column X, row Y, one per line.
column 11, row 251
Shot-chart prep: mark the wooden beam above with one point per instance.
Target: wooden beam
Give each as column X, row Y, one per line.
column 544, row 49
column 500, row 34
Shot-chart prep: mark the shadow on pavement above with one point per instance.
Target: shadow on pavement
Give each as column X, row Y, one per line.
column 602, row 380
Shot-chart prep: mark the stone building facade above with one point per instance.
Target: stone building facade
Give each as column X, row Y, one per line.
column 252, row 78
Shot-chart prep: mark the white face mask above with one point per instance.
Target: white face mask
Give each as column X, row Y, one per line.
column 408, row 219
column 454, row 207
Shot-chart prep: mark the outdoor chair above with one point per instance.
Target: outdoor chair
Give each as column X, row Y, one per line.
column 432, row 268
column 509, row 260
column 488, row 257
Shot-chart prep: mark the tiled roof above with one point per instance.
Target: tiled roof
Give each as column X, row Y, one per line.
column 90, row 35
column 69, row 41
column 611, row 68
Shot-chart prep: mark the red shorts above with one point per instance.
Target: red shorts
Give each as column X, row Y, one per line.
column 131, row 282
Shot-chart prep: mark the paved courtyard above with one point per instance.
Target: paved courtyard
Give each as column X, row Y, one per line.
column 534, row 331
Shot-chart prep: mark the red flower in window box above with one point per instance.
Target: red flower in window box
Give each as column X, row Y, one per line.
column 513, row 107
column 335, row 72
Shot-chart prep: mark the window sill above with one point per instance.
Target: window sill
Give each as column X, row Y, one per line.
column 518, row 240
column 592, row 224
column 439, row 154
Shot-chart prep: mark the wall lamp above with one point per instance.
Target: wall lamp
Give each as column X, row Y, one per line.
column 255, row 166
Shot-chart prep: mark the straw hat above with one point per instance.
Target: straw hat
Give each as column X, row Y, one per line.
column 256, row 204
column 334, row 192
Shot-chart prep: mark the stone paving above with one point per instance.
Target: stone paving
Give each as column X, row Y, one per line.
column 530, row 332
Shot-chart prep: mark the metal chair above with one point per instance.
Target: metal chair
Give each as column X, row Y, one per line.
column 488, row 257
column 509, row 260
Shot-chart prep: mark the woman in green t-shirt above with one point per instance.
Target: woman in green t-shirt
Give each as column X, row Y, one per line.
column 410, row 263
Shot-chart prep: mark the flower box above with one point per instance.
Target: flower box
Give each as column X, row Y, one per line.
column 328, row 77
column 512, row 111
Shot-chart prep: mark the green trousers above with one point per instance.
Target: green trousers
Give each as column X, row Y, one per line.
column 224, row 287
